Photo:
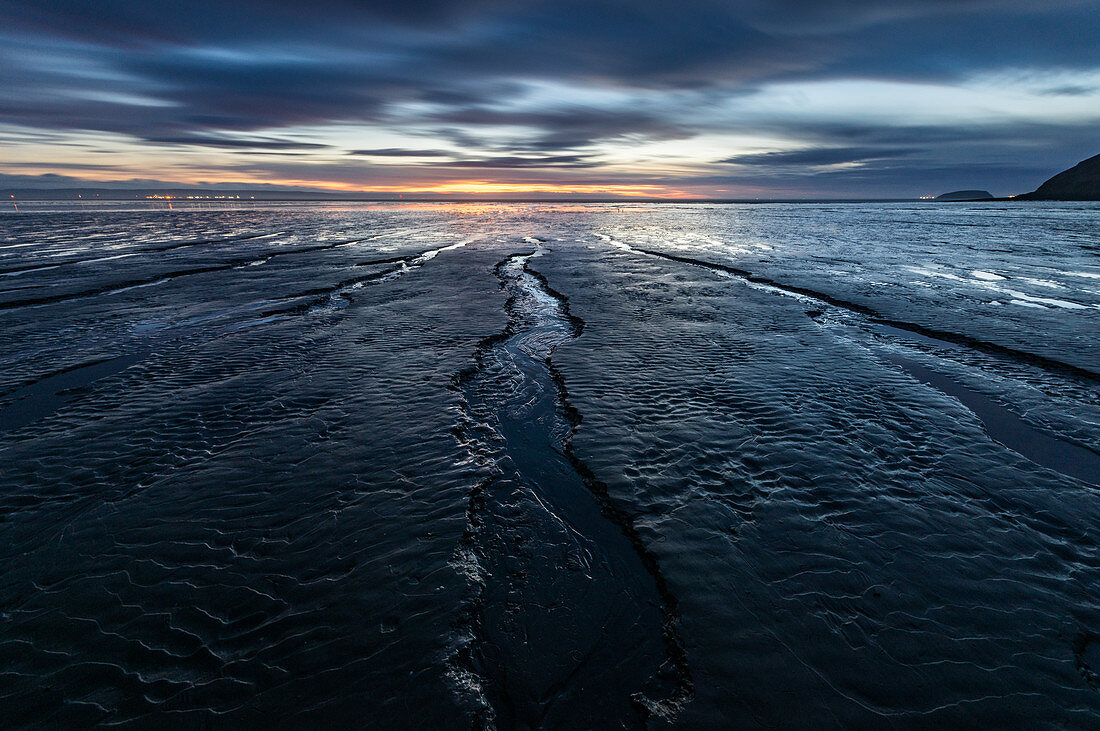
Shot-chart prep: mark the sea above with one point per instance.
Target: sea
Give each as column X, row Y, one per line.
column 549, row 465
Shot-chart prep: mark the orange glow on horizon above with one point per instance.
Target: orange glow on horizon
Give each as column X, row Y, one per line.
column 466, row 187
column 489, row 188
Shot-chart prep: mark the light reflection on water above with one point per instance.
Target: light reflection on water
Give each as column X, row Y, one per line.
column 236, row 495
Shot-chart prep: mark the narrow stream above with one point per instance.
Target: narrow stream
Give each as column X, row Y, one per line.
column 567, row 625
column 1005, row 427
column 1001, row 424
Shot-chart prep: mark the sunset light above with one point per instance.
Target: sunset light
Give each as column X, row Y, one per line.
column 549, row 365
column 541, row 112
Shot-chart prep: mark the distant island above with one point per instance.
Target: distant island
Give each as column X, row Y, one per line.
column 966, row 195
column 1080, row 183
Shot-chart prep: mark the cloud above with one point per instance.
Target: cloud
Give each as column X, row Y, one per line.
column 1069, row 90
column 572, row 161
column 399, row 152
column 533, row 84
column 239, row 143
column 818, row 156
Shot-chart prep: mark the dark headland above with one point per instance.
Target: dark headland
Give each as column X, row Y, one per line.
column 966, row 195
column 1080, row 183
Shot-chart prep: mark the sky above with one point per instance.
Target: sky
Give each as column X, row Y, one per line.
column 695, row 98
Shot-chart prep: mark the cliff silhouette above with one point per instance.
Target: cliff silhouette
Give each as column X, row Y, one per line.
column 1080, row 183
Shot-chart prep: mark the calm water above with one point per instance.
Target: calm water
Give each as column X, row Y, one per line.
column 555, row 466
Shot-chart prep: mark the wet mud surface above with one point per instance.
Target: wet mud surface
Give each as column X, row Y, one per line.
column 550, row 466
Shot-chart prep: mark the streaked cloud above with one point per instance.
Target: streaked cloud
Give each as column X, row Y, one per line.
column 851, row 98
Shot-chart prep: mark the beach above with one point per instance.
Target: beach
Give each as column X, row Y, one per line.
column 609, row 464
